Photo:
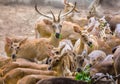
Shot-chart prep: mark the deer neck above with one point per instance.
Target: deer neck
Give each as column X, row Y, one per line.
column 81, row 46
column 53, row 40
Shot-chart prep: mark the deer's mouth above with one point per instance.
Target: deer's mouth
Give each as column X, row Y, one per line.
column 58, row 35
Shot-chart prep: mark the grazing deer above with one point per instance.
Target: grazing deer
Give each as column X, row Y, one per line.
column 44, row 26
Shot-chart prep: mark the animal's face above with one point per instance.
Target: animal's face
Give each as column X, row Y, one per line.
column 14, row 46
column 56, row 26
column 86, row 40
column 54, row 62
column 79, row 60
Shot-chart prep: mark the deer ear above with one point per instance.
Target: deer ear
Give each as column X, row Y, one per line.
column 8, row 40
column 23, row 41
column 76, row 29
column 47, row 22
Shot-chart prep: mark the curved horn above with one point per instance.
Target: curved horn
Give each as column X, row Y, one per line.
column 53, row 16
column 59, row 15
column 69, row 11
column 41, row 13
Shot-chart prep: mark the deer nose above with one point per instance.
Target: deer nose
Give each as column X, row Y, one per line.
column 79, row 70
column 13, row 56
column 49, row 68
column 57, row 35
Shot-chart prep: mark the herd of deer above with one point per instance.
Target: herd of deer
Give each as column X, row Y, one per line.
column 64, row 45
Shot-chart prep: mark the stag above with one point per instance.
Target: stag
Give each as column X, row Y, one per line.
column 43, row 27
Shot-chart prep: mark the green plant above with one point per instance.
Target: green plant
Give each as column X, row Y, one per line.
column 84, row 75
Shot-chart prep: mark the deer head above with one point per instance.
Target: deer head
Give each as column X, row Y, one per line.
column 68, row 6
column 55, row 22
column 14, row 46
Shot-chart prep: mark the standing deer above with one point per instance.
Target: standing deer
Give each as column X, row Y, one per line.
column 44, row 26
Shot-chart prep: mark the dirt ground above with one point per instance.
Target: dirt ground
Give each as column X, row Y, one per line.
column 18, row 20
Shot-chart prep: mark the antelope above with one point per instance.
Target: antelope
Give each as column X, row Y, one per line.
column 44, row 26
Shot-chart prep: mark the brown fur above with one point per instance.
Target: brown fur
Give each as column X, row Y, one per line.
column 14, row 75
column 61, row 64
column 103, row 67
column 21, row 63
column 31, row 49
column 116, row 59
column 60, row 80
column 32, row 79
column 115, row 19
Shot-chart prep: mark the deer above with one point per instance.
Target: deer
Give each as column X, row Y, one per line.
column 43, row 27
column 116, row 63
column 85, row 43
column 96, row 57
column 62, row 64
column 61, row 80
column 31, row 49
column 99, row 27
column 14, row 75
column 88, row 43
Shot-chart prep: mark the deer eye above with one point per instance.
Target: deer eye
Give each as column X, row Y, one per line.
column 53, row 26
column 60, row 26
column 57, row 60
column 57, row 52
column 11, row 47
column 18, row 47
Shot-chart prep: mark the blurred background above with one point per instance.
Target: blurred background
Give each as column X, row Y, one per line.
column 18, row 17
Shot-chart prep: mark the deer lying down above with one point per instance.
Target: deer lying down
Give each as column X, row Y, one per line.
column 62, row 64
column 103, row 67
column 96, row 57
column 21, row 63
column 60, row 80
column 14, row 75
column 32, row 79
column 29, row 49
column 4, row 61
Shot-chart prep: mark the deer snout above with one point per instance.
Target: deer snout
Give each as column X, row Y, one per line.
column 89, row 44
column 57, row 35
column 79, row 69
column 49, row 68
column 13, row 56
